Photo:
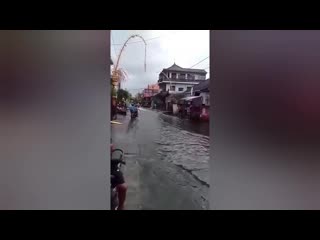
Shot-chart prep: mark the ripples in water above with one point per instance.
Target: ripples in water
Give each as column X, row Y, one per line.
column 187, row 150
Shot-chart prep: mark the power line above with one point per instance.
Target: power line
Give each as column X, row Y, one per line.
column 149, row 39
column 138, row 41
column 199, row 62
column 135, row 88
column 190, row 67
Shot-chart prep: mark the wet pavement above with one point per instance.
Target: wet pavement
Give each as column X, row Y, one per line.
column 167, row 161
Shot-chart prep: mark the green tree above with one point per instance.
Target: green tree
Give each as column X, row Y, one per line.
column 138, row 98
column 122, row 95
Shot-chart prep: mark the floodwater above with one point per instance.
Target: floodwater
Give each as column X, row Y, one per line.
column 186, row 124
column 181, row 143
column 167, row 161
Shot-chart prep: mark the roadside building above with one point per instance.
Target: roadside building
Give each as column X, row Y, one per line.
column 176, row 79
column 176, row 82
column 148, row 93
column 202, row 90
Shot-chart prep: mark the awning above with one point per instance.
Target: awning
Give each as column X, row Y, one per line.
column 161, row 94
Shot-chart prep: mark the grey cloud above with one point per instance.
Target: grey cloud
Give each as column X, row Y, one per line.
column 132, row 59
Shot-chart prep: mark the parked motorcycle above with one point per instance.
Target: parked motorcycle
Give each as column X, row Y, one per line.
column 122, row 110
column 116, row 163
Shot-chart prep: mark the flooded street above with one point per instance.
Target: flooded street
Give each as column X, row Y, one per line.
column 167, row 161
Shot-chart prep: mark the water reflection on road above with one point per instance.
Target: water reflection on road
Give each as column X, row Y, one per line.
column 186, row 124
column 180, row 145
column 168, row 160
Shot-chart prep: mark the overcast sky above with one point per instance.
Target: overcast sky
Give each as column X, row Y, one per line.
column 164, row 47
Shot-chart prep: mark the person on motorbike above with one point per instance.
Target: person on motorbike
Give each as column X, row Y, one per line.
column 119, row 183
column 133, row 109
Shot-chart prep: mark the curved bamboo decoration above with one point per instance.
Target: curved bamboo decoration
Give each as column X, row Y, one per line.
column 115, row 74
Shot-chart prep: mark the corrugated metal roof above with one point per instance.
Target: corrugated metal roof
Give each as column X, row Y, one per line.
column 162, row 94
column 202, row 86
